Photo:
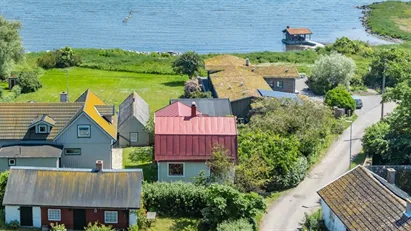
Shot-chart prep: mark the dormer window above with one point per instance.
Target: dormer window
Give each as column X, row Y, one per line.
column 43, row 124
column 42, row 128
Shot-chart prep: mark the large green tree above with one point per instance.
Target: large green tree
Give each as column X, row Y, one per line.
column 11, row 48
column 189, row 63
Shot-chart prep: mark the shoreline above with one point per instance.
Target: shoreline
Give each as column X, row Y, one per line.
column 364, row 21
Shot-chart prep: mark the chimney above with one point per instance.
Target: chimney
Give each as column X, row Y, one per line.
column 63, row 97
column 247, row 62
column 193, row 109
column 286, row 70
column 407, row 212
column 391, row 175
column 99, row 165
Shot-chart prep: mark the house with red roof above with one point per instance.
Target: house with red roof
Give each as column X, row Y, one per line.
column 185, row 138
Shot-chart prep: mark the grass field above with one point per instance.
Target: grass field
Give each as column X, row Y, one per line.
column 111, row 86
column 149, row 171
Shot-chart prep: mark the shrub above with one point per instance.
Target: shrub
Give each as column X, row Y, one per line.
column 58, row 227
column 375, row 140
column 227, row 203
column 28, row 81
column 314, row 222
column 338, row 126
column 174, row 199
column 133, row 228
column 191, row 86
column 293, row 177
column 4, row 176
column 62, row 58
column 48, row 60
column 16, row 90
column 344, row 45
column 252, row 174
column 141, row 154
column 340, row 97
column 14, row 224
column 236, row 225
column 220, row 164
column 98, row 227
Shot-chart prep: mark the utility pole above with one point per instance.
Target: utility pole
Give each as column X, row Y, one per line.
column 67, row 81
column 382, row 90
column 349, row 163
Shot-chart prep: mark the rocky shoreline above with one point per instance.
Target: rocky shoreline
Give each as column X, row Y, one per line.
column 364, row 20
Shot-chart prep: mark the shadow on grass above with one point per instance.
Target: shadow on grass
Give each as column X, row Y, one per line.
column 178, row 83
column 149, row 170
column 186, row 224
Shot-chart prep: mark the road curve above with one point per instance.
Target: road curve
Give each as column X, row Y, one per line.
column 287, row 213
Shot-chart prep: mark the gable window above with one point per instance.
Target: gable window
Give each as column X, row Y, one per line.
column 111, row 217
column 175, row 169
column 83, row 131
column 133, row 136
column 72, row 151
column 42, row 128
column 54, row 214
column 12, row 162
column 280, row 84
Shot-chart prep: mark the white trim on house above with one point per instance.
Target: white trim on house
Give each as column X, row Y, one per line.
column 46, row 128
column 108, row 215
column 184, row 169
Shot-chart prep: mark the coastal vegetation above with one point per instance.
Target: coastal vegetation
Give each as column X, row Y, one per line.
column 340, row 97
column 10, row 46
column 189, row 63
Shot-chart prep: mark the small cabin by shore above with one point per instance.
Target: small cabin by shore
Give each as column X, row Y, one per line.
column 295, row 36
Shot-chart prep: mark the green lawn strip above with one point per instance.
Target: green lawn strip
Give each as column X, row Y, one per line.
column 149, row 170
column 358, row 160
column 175, row 224
column 111, row 86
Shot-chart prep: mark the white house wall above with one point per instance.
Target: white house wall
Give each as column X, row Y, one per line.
column 37, row 217
column 97, row 147
column 12, row 214
column 332, row 222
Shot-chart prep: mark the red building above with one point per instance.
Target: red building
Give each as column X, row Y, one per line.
column 37, row 197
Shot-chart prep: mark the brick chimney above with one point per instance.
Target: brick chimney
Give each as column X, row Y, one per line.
column 407, row 212
column 193, row 109
column 99, row 165
column 391, row 175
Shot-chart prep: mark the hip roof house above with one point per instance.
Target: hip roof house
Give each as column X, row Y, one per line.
column 37, row 197
column 83, row 131
column 184, row 143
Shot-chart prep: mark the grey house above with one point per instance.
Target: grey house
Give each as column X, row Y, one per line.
column 61, row 134
column 211, row 107
column 279, row 77
column 134, row 115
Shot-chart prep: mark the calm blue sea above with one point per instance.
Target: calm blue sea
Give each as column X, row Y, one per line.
column 180, row 25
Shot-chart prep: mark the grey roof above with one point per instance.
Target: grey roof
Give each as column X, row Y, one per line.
column 27, row 151
column 211, row 106
column 105, row 110
column 135, row 106
column 81, row 188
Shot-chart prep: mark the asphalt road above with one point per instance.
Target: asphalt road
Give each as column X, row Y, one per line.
column 287, row 213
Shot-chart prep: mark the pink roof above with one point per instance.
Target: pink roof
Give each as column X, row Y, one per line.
column 175, row 109
column 193, row 138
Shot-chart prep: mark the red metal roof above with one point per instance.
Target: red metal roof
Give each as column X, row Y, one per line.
column 193, row 138
column 297, row 31
column 175, row 109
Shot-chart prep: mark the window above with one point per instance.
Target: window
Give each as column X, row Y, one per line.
column 12, row 162
column 54, row 215
column 83, row 131
column 175, row 169
column 72, row 151
column 110, row 217
column 133, row 136
column 42, row 128
column 280, row 84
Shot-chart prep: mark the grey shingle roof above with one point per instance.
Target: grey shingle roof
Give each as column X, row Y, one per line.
column 135, row 106
column 105, row 110
column 361, row 202
column 211, row 107
column 27, row 151
column 74, row 188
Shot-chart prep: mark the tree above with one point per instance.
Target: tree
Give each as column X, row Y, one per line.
column 220, row 164
column 252, row 174
column 340, row 97
column 11, row 47
column 61, row 58
column 28, row 81
column 329, row 71
column 394, row 63
column 188, row 63
column 193, row 90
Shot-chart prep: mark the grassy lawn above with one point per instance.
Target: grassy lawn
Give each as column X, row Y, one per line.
column 175, row 224
column 149, row 170
column 111, row 86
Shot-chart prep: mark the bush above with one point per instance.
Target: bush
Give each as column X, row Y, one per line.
column 98, row 227
column 340, row 97
column 236, row 225
column 28, row 81
column 344, row 45
column 314, row 222
column 16, row 90
column 174, row 199
column 191, row 86
column 338, row 126
column 252, row 174
column 293, row 177
column 14, row 225
column 133, row 228
column 226, row 203
column 48, row 60
column 141, row 154
column 375, row 140
column 4, row 176
column 62, row 58
column 58, row 227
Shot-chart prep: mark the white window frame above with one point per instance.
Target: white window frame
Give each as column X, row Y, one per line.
column 71, row 154
column 46, row 130
column 131, row 137
column 280, row 85
column 14, row 162
column 84, row 126
column 57, row 213
column 168, row 169
column 110, row 212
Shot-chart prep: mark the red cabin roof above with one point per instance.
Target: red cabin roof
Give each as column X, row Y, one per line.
column 298, row 31
column 193, row 138
column 175, row 109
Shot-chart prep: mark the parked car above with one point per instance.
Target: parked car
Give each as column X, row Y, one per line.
column 358, row 102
